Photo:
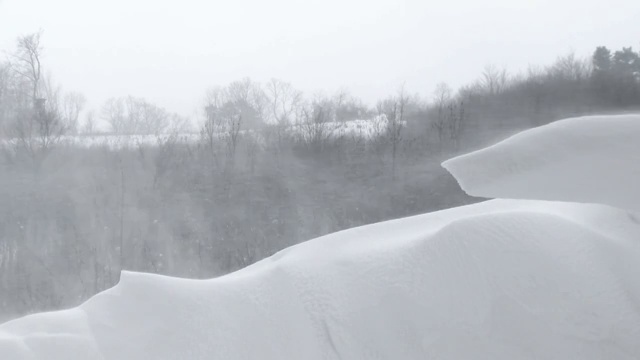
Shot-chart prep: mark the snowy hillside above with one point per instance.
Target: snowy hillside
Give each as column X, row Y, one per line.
column 502, row 279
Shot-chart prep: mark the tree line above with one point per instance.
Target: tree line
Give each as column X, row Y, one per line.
column 269, row 167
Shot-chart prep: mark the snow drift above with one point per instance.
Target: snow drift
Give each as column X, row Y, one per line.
column 593, row 159
column 502, row 279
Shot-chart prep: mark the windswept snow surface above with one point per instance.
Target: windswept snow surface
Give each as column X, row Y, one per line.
column 499, row 280
column 586, row 159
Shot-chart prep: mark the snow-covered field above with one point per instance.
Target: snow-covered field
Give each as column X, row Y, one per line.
column 503, row 279
column 126, row 141
column 367, row 129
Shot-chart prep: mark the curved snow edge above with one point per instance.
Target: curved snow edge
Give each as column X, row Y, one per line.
column 590, row 159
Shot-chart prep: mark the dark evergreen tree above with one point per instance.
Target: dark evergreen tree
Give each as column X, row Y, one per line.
column 602, row 76
column 601, row 59
column 626, row 74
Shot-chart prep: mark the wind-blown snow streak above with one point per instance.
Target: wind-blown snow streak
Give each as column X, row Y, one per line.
column 502, row 279
column 587, row 159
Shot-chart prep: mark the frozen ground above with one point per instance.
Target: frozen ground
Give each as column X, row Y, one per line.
column 502, row 279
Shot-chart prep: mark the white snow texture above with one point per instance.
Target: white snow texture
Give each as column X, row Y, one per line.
column 592, row 159
column 502, row 279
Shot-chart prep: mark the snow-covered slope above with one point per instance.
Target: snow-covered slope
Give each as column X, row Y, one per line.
column 587, row 159
column 498, row 280
column 502, row 279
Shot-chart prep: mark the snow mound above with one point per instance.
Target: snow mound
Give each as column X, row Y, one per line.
column 502, row 279
column 592, row 159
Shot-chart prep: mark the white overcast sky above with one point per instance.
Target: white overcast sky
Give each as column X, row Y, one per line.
column 170, row 52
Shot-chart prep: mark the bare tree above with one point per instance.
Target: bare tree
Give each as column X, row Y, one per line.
column 27, row 61
column 494, row 80
column 133, row 115
column 340, row 99
column 114, row 113
column 441, row 98
column 284, row 101
column 394, row 109
column 89, row 125
column 316, row 126
column 72, row 105
column 455, row 121
column 396, row 126
column 209, row 135
column 7, row 99
column 249, row 99
column 223, row 122
column 38, row 127
column 39, row 132
column 5, row 76
column 442, row 95
column 152, row 119
column 232, row 137
column 570, row 68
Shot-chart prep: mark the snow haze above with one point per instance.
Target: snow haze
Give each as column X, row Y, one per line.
column 170, row 52
column 288, row 179
column 502, row 279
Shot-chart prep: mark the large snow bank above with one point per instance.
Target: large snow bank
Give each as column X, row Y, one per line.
column 502, row 279
column 586, row 159
column 498, row 280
